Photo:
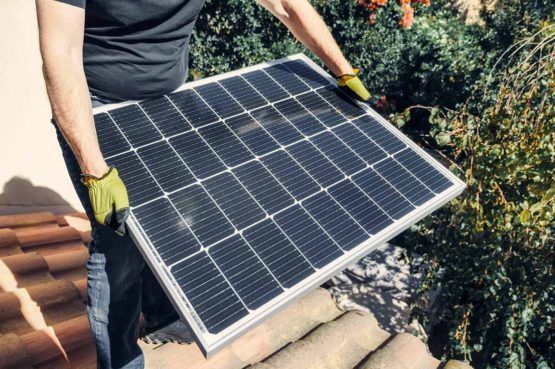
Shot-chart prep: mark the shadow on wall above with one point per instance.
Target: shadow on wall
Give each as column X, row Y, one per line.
column 20, row 195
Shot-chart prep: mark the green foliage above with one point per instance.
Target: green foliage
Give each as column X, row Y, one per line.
column 493, row 248
column 434, row 62
column 236, row 33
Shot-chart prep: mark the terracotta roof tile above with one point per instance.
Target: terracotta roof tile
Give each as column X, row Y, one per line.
column 25, row 309
column 42, row 292
column 404, row 351
column 58, row 340
column 8, row 243
column 43, row 322
column 68, row 265
column 12, row 352
column 29, row 220
column 36, row 237
column 23, row 270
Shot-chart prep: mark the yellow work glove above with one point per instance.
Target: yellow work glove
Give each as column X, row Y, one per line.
column 109, row 199
column 353, row 86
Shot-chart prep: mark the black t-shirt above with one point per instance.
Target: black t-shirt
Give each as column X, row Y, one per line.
column 135, row 49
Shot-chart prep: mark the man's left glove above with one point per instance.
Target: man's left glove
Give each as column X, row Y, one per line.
column 109, row 199
column 352, row 85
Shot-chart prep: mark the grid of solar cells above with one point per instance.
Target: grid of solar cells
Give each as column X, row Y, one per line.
column 250, row 184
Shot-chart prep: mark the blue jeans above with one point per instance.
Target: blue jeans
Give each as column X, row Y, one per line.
column 120, row 285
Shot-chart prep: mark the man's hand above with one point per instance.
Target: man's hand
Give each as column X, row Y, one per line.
column 109, row 199
column 353, row 86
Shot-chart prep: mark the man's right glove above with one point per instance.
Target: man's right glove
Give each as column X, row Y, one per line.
column 353, row 86
column 109, row 199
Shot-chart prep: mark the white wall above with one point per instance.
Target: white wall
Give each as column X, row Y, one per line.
column 32, row 172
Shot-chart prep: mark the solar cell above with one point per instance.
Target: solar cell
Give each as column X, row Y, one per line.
column 209, row 292
column 196, row 153
column 249, row 188
column 307, row 74
column 264, row 187
column 243, row 92
column 308, row 236
column 251, row 133
column 266, row 85
column 228, row 147
column 290, row 174
column 164, row 164
column 110, row 138
column 234, row 200
column 359, row 143
column 404, row 181
column 383, row 137
column 219, row 100
column 140, row 184
column 325, row 112
column 201, row 214
column 279, row 254
column 341, row 227
column 382, row 193
column 341, row 102
column 360, row 207
column 166, row 230
column 429, row 175
column 246, row 273
column 277, row 125
column 300, row 117
column 135, row 125
column 315, row 163
column 165, row 116
column 193, row 108
column 339, row 153
column 282, row 75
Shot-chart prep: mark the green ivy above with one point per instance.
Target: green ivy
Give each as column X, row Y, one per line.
column 493, row 248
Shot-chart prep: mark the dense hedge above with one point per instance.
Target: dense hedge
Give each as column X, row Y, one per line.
column 492, row 249
column 434, row 62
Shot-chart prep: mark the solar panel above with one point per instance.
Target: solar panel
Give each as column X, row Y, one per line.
column 250, row 188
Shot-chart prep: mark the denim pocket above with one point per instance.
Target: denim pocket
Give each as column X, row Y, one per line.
column 98, row 287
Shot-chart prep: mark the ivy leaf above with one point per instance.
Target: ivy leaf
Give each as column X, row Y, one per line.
column 443, row 138
column 524, row 216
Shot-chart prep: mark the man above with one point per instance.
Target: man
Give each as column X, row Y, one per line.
column 113, row 50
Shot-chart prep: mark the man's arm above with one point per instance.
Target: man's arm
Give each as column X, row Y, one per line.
column 61, row 30
column 306, row 25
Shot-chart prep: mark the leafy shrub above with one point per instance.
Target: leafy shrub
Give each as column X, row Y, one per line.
column 493, row 249
column 435, row 62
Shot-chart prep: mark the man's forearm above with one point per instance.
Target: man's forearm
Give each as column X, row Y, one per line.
column 67, row 89
column 70, row 100
column 306, row 25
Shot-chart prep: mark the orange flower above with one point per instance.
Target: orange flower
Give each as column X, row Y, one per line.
column 423, row 2
column 408, row 16
column 406, row 5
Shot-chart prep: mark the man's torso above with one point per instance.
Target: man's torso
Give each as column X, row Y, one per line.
column 135, row 49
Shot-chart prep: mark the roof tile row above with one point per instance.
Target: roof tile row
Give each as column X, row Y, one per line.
column 43, row 291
